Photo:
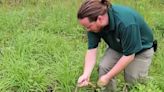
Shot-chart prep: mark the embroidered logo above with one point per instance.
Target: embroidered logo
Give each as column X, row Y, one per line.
column 117, row 39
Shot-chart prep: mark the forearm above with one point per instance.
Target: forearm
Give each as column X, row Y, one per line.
column 90, row 60
column 120, row 65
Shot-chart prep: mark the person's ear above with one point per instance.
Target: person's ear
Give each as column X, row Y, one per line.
column 100, row 19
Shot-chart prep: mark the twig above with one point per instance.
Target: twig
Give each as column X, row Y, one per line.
column 92, row 85
column 95, row 87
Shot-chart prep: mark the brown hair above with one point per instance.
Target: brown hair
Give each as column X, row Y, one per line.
column 92, row 9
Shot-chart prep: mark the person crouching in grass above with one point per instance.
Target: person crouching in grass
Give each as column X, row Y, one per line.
column 129, row 41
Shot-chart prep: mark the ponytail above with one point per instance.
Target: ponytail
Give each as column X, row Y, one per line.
column 105, row 2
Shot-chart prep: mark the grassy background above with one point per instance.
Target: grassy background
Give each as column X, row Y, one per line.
column 42, row 46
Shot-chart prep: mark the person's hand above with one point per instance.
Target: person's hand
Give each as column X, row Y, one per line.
column 83, row 80
column 103, row 81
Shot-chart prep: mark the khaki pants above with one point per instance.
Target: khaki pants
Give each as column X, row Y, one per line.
column 136, row 70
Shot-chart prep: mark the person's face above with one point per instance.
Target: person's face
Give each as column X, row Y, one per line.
column 94, row 26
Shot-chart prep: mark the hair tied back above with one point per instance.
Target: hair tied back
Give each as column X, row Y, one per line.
column 105, row 2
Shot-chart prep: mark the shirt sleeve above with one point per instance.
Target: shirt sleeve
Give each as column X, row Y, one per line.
column 131, row 40
column 93, row 40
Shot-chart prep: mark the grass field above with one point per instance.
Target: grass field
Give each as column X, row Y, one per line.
column 42, row 46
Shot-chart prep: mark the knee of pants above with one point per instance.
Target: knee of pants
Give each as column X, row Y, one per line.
column 132, row 78
column 129, row 78
column 103, row 69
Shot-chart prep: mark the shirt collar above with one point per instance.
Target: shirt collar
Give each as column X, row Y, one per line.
column 111, row 24
column 111, row 19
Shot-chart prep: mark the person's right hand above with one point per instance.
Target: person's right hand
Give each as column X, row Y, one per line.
column 83, row 80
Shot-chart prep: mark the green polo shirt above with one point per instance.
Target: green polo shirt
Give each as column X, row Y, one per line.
column 126, row 33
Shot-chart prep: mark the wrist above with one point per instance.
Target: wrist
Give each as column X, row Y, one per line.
column 109, row 76
column 86, row 74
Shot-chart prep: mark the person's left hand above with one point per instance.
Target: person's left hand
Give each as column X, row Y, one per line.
column 103, row 80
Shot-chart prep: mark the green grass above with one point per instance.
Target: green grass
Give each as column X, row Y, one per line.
column 42, row 46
